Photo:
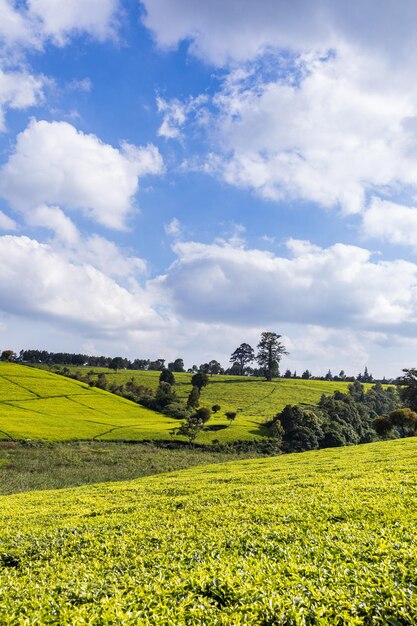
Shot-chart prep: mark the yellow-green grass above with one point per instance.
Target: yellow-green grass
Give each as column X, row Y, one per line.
column 254, row 399
column 35, row 404
column 325, row 538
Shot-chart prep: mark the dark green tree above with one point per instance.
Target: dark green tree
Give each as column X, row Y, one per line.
column 164, row 395
column 166, row 376
column 193, row 397
column 270, row 351
column 231, row 416
column 199, row 380
column 8, row 355
column 117, row 363
column 408, row 388
column 301, row 429
column 176, row 366
column 243, row 355
column 405, row 420
column 214, row 367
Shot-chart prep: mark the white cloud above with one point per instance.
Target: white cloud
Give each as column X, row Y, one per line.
column 339, row 286
column 174, row 116
column 83, row 84
column 320, row 108
column 226, row 32
column 59, row 19
column 328, row 138
column 176, row 113
column 19, row 90
column 109, row 258
column 54, row 164
column 14, row 27
column 173, row 228
column 56, row 20
column 38, row 281
column 93, row 250
column 53, row 218
column 391, row 222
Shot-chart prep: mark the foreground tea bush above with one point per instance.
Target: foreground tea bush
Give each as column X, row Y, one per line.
column 323, row 537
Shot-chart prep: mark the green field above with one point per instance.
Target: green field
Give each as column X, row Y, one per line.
column 324, row 538
column 35, row 404
column 254, row 399
column 51, row 465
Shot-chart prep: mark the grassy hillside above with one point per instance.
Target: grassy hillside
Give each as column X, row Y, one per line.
column 254, row 399
column 36, row 404
column 325, row 537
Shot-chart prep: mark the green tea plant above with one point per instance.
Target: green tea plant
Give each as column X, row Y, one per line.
column 324, row 537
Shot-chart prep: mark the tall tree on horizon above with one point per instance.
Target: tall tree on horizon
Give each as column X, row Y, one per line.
column 243, row 355
column 270, row 351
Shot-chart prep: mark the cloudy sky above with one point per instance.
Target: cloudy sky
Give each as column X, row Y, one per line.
column 177, row 177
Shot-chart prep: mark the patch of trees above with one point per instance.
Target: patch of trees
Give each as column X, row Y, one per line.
column 339, row 420
column 270, row 352
column 116, row 363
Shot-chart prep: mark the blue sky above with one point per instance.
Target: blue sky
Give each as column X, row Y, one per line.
column 176, row 178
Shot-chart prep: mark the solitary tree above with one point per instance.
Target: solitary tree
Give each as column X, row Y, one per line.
column 7, row 355
column 243, row 355
column 166, row 376
column 199, row 380
column 270, row 351
column 231, row 416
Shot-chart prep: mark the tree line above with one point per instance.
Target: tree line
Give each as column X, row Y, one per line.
column 267, row 357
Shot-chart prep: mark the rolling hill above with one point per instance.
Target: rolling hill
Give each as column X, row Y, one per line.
column 38, row 404
column 35, row 404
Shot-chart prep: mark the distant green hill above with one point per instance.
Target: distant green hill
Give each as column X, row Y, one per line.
column 38, row 404
column 325, row 537
column 254, row 399
column 35, row 404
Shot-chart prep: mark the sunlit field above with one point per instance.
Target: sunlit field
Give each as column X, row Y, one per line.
column 325, row 537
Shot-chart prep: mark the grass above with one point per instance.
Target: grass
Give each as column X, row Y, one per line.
column 26, row 467
column 35, row 404
column 325, row 538
column 254, row 399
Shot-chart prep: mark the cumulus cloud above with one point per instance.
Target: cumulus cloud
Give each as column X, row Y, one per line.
column 14, row 27
column 54, row 164
column 59, row 19
column 320, row 109
column 38, row 281
column 230, row 32
column 19, row 90
column 92, row 250
column 329, row 137
column 339, row 286
column 37, row 21
column 391, row 222
column 52, row 218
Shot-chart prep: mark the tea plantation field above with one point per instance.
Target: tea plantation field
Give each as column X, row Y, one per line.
column 324, row 538
column 35, row 404
column 254, row 399
column 38, row 404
